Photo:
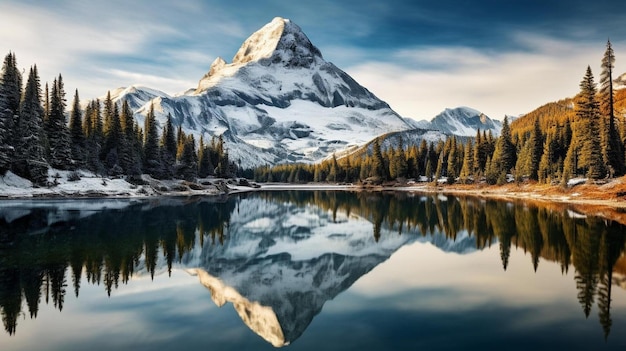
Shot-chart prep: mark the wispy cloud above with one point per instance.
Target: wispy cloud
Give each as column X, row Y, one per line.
column 497, row 83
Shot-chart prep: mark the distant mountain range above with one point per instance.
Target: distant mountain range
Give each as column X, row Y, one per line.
column 279, row 101
column 460, row 121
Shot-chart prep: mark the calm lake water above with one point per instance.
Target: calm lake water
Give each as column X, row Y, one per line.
column 309, row 271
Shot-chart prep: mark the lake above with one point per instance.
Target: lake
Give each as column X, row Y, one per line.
column 309, row 270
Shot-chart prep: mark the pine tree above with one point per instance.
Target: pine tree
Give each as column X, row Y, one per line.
column 131, row 159
column 115, row 148
column 77, row 137
column 10, row 93
column 93, row 132
column 588, row 111
column 536, row 150
column 378, row 162
column 612, row 145
column 58, row 133
column 468, row 162
column 188, row 166
column 452, row 161
column 429, row 171
column 544, row 173
column 508, row 156
column 333, row 174
column 152, row 157
column 30, row 162
column 205, row 168
column 439, row 169
column 400, row 159
column 169, row 146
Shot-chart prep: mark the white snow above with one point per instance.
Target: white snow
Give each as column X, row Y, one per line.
column 90, row 185
column 576, row 181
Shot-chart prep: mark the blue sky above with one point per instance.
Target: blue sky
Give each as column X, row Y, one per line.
column 500, row 57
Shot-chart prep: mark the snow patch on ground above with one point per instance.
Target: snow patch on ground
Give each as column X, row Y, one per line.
column 576, row 181
column 92, row 185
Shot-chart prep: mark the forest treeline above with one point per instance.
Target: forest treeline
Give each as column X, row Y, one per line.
column 103, row 138
column 570, row 138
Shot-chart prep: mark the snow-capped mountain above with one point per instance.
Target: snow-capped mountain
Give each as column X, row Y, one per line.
column 277, row 101
column 136, row 95
column 461, row 121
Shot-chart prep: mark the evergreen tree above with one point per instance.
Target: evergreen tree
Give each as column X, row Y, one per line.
column 188, row 166
column 333, row 174
column 223, row 163
column 452, row 161
column 152, row 157
column 29, row 161
column 131, row 158
column 545, row 172
column 400, row 160
column 205, row 168
column 169, row 146
column 439, row 170
column 58, row 133
column 588, row 111
column 10, row 93
column 114, row 150
column 93, row 128
column 429, row 170
column 612, row 146
column 378, row 162
column 468, row 162
column 77, row 137
column 168, row 138
column 536, row 149
column 508, row 156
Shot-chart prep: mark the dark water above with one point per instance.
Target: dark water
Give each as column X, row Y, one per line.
column 309, row 270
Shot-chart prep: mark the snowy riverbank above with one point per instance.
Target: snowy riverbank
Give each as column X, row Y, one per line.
column 84, row 184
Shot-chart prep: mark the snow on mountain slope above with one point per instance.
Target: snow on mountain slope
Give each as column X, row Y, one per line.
column 464, row 121
column 461, row 121
column 136, row 95
column 278, row 100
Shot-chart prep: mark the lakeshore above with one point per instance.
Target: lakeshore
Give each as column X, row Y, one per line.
column 607, row 199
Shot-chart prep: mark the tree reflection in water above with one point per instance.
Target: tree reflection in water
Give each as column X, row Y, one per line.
column 45, row 250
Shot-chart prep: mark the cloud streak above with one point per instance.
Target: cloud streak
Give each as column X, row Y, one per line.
column 497, row 83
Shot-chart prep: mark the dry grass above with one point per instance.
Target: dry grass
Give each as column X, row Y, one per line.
column 605, row 200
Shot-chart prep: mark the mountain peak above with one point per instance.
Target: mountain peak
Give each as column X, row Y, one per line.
column 278, row 41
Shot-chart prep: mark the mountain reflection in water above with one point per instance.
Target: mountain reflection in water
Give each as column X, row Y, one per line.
column 279, row 257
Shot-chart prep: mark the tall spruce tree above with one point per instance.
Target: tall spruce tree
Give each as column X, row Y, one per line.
column 188, row 165
column 612, row 146
column 169, row 147
column 378, row 162
column 451, row 161
column 29, row 160
column 77, row 135
column 152, row 156
column 10, row 94
column 536, row 150
column 131, row 161
column 58, row 133
column 467, row 169
column 508, row 151
column 588, row 111
column 114, row 141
